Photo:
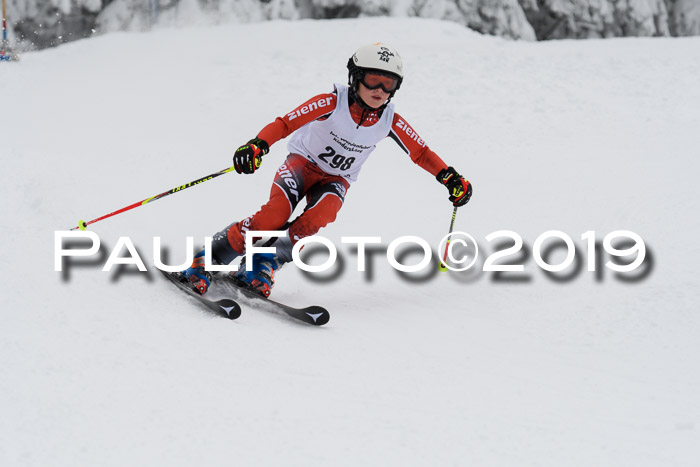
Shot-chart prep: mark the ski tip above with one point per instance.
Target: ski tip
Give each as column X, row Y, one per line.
column 224, row 307
column 318, row 316
column 229, row 308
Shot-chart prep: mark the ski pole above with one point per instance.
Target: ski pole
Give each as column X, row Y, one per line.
column 82, row 225
column 443, row 264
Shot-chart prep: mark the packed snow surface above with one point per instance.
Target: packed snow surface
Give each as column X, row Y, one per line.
column 475, row 368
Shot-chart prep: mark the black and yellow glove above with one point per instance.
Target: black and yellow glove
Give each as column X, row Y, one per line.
column 459, row 188
column 248, row 158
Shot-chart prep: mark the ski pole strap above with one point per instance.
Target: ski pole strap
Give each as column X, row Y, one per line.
column 82, row 225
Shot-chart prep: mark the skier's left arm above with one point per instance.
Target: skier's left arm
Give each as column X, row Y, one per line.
column 408, row 140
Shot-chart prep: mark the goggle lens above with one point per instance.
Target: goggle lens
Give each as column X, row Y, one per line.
column 374, row 81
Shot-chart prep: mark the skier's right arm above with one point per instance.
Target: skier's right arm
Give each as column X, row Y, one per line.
column 247, row 158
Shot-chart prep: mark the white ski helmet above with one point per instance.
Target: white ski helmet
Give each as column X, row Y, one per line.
column 378, row 58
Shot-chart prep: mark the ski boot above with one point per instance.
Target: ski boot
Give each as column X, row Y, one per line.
column 198, row 278
column 261, row 278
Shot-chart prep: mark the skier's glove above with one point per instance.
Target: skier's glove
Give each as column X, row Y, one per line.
column 460, row 189
column 247, row 158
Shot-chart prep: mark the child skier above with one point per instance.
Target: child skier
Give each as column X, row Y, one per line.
column 333, row 135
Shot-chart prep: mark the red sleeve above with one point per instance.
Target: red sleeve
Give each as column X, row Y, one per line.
column 313, row 109
column 414, row 146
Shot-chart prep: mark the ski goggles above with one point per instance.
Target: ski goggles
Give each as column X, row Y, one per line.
column 375, row 80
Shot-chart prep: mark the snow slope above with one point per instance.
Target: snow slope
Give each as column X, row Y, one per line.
column 116, row 369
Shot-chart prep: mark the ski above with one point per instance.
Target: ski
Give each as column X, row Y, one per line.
column 224, row 307
column 314, row 315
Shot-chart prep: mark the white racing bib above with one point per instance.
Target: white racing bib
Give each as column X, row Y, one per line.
column 336, row 144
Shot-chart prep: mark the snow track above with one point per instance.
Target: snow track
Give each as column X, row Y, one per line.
column 118, row 369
